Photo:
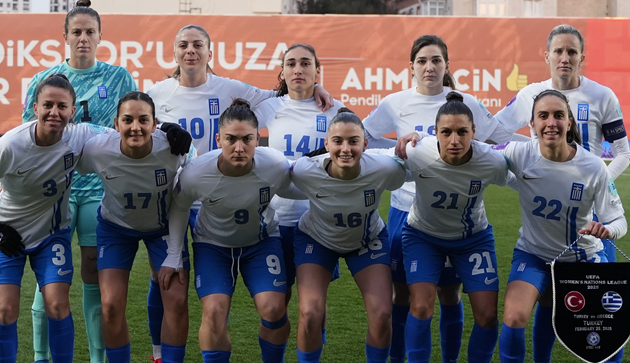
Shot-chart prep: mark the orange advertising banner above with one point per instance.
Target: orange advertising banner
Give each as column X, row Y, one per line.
column 364, row 58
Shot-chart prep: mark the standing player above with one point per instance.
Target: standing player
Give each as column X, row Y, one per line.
column 404, row 112
column 37, row 161
column 137, row 169
column 344, row 188
column 296, row 126
column 236, row 230
column 98, row 86
column 581, row 183
column 448, row 220
column 195, row 97
column 598, row 118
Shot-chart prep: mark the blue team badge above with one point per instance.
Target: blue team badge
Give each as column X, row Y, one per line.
column 213, row 106
column 475, row 187
column 612, row 188
column 68, row 161
column 370, row 197
column 321, row 123
column 576, row 191
column 582, row 114
column 612, row 302
column 264, row 195
column 102, row 92
column 160, row 177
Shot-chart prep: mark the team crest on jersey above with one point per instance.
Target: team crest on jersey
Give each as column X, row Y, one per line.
column 321, row 123
column 213, row 106
column 264, row 195
column 576, row 191
column 475, row 187
column 68, row 161
column 370, row 197
column 160, row 177
column 582, row 114
column 102, row 92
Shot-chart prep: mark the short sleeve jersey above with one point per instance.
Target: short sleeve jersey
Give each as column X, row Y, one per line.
column 343, row 214
column 98, row 90
column 197, row 109
column 408, row 110
column 138, row 192
column 449, row 199
column 235, row 211
column 558, row 198
column 36, row 179
column 595, row 107
column 295, row 127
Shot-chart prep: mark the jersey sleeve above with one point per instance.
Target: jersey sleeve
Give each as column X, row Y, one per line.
column 607, row 203
column 510, row 153
column 128, row 84
column 485, row 123
column 255, row 96
column 381, row 120
column 264, row 112
column 396, row 173
column 28, row 114
column 502, row 174
column 517, row 112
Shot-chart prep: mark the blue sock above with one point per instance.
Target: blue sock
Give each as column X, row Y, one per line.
column 309, row 357
column 512, row 345
column 399, row 319
column 543, row 335
column 418, row 339
column 482, row 343
column 451, row 327
column 155, row 310
column 376, row 355
column 617, row 357
column 61, row 339
column 173, row 353
column 272, row 353
column 119, row 355
column 323, row 335
column 215, row 356
column 8, row 343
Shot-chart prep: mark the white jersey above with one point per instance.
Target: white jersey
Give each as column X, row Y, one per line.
column 235, row 211
column 449, row 199
column 557, row 200
column 197, row 109
column 595, row 107
column 137, row 191
column 36, row 179
column 295, row 127
column 343, row 214
column 408, row 110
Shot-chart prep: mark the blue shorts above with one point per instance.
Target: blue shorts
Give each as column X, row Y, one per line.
column 395, row 224
column 530, row 268
column 288, row 237
column 84, row 211
column 307, row 250
column 473, row 259
column 262, row 266
column 51, row 261
column 117, row 246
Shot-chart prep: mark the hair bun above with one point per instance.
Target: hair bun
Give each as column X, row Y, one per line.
column 454, row 97
column 344, row 109
column 83, row 3
column 240, row 102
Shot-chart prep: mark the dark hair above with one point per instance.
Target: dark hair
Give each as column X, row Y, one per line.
column 82, row 7
column 565, row 29
column 56, row 80
column 346, row 116
column 203, row 31
column 573, row 135
column 454, row 106
column 136, row 96
column 239, row 110
column 282, row 84
column 431, row 39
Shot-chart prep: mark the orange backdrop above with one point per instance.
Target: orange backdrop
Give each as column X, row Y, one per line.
column 364, row 58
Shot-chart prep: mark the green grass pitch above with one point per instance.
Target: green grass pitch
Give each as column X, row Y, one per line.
column 346, row 321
